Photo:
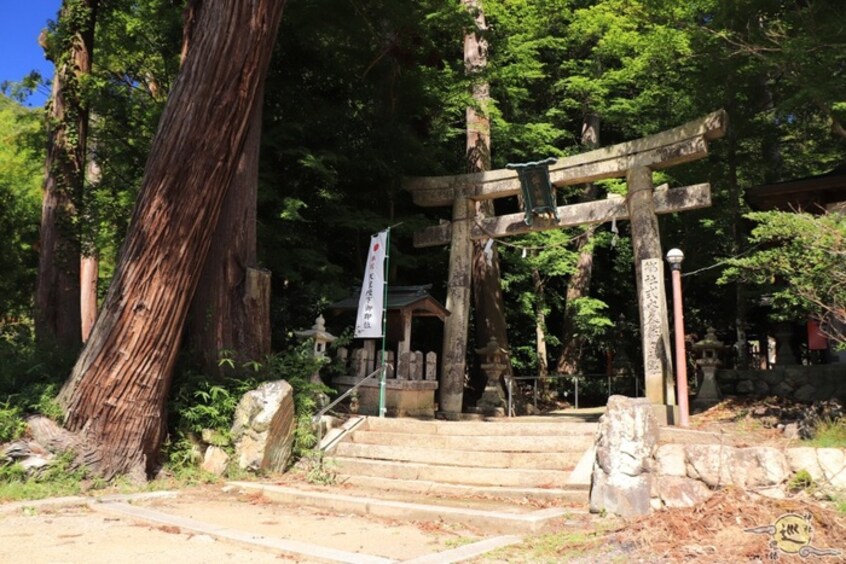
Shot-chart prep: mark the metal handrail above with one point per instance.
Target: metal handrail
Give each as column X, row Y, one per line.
column 343, row 396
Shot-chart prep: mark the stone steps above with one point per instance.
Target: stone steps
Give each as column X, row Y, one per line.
column 466, row 474
column 503, row 519
column 527, row 458
column 454, row 457
column 576, row 443
column 492, row 475
column 518, row 426
column 573, row 494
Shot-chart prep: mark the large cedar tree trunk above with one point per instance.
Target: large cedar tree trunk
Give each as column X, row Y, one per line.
column 115, row 397
column 570, row 359
column 57, row 295
column 231, row 309
column 489, row 312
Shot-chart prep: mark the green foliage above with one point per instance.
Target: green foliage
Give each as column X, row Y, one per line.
column 802, row 262
column 30, row 378
column 136, row 59
column 12, row 424
column 590, row 320
column 801, row 480
column 21, row 171
column 199, row 404
column 60, row 478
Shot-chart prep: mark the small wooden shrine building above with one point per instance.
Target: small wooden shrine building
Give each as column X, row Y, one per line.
column 412, row 378
column 813, row 194
column 823, row 193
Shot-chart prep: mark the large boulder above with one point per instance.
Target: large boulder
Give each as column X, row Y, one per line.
column 621, row 482
column 263, row 428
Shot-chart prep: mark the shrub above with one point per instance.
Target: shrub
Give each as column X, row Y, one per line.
column 830, row 434
column 12, row 424
column 200, row 403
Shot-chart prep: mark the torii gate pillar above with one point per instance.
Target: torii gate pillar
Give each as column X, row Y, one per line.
column 652, row 301
column 454, row 356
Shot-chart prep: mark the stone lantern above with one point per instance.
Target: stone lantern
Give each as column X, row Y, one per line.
column 709, row 350
column 321, row 339
column 495, row 363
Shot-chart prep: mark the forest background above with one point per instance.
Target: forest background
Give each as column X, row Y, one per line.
column 360, row 94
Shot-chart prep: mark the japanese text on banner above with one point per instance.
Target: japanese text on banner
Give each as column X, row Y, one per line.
column 368, row 323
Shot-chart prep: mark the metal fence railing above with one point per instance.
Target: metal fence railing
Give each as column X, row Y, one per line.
column 575, row 378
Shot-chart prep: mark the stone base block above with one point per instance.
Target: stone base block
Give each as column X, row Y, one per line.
column 403, row 398
column 666, row 414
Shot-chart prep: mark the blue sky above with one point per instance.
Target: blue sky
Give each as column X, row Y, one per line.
column 20, row 23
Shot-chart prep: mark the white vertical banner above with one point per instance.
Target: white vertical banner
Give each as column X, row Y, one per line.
column 368, row 323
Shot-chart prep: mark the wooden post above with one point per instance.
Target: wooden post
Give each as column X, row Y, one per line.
column 454, row 362
column 405, row 344
column 649, row 269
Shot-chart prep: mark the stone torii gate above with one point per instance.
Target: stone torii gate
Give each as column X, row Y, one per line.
column 634, row 160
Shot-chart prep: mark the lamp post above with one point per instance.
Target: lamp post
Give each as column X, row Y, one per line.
column 675, row 258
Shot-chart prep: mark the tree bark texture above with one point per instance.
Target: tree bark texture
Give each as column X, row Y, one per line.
column 489, row 310
column 89, row 274
column 89, row 267
column 578, row 286
column 231, row 308
column 540, row 330
column 57, row 295
column 117, row 391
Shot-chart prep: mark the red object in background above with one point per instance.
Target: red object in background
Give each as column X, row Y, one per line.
column 816, row 340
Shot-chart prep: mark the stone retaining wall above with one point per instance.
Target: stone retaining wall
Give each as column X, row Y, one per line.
column 686, row 475
column 800, row 383
column 638, row 467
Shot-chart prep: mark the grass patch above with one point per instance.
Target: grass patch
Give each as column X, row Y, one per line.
column 559, row 546
column 802, row 480
column 829, row 434
column 58, row 479
column 458, row 542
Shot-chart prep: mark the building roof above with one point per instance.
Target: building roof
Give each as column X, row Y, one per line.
column 812, row 194
column 415, row 299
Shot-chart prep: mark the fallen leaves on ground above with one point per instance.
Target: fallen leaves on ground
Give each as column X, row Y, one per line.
column 717, row 530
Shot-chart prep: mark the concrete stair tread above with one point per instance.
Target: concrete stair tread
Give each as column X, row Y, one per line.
column 499, row 517
column 575, row 494
column 499, row 427
column 464, row 458
column 465, row 474
column 492, row 443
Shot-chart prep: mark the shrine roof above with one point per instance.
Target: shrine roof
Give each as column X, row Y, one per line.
column 812, row 194
column 400, row 298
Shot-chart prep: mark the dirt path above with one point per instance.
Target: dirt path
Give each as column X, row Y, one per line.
column 78, row 532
